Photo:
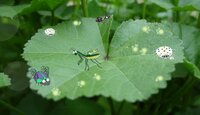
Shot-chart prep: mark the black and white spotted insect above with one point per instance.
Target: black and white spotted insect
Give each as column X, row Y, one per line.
column 164, row 52
column 102, row 18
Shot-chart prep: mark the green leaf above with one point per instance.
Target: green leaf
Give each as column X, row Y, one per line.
column 7, row 2
column 4, row 80
column 189, row 4
column 17, row 72
column 163, row 3
column 128, row 74
column 190, row 36
column 11, row 11
column 183, row 5
column 192, row 68
column 49, row 5
column 94, row 9
column 8, row 28
column 104, row 28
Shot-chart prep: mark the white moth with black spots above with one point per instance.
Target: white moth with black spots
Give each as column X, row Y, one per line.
column 164, row 52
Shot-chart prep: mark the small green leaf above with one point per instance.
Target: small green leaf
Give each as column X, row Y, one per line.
column 7, row 2
column 49, row 5
column 11, row 11
column 132, row 72
column 17, row 72
column 190, row 36
column 190, row 4
column 104, row 28
column 163, row 3
column 183, row 5
column 4, row 80
column 192, row 68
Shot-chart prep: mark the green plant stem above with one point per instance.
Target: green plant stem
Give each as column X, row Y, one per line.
column 144, row 9
column 76, row 9
column 110, row 101
column 11, row 107
column 176, row 14
column 52, row 17
column 198, row 21
column 180, row 30
column 84, row 8
column 120, row 108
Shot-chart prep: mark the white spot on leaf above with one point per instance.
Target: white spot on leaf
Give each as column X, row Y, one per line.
column 143, row 51
column 135, row 48
column 164, row 52
column 97, row 77
column 76, row 22
column 159, row 78
column 81, row 83
column 49, row 31
column 146, row 29
column 56, row 92
column 171, row 58
column 160, row 31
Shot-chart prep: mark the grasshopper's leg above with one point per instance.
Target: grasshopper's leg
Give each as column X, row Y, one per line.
column 86, row 64
column 81, row 59
column 79, row 62
column 96, row 62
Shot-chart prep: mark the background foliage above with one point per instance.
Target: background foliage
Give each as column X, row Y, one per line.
column 131, row 75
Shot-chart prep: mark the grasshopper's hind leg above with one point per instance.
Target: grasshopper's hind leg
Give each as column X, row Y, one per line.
column 80, row 61
column 96, row 62
column 86, row 64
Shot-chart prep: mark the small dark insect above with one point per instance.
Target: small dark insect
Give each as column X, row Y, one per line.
column 91, row 55
column 41, row 77
column 100, row 19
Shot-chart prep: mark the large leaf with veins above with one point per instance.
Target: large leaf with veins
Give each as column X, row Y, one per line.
column 132, row 71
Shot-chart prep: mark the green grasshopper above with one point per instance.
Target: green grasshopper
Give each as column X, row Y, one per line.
column 91, row 55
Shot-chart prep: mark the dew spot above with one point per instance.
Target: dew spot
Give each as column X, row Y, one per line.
column 56, row 92
column 171, row 58
column 160, row 31
column 159, row 78
column 134, row 48
column 143, row 51
column 76, row 22
column 97, row 77
column 81, row 83
column 49, row 31
column 146, row 29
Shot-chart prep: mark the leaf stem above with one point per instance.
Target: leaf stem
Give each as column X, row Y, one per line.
column 198, row 21
column 180, row 31
column 52, row 17
column 110, row 101
column 176, row 13
column 11, row 107
column 144, row 9
column 84, row 8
